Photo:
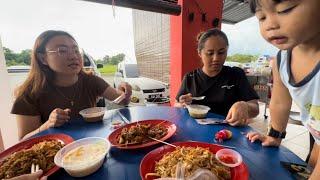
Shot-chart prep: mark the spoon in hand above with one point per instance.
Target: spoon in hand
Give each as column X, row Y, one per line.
column 198, row 98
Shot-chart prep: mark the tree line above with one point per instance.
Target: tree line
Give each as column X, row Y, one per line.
column 24, row 58
column 242, row 58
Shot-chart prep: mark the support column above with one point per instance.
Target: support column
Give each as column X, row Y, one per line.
column 196, row 16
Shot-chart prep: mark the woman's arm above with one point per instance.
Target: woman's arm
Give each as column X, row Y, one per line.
column 177, row 104
column 241, row 112
column 124, row 88
column 183, row 100
column 28, row 126
column 253, row 108
column 31, row 125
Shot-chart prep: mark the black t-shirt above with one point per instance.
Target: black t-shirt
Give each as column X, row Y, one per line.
column 221, row 91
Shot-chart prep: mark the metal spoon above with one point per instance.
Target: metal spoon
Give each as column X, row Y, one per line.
column 198, row 98
column 119, row 99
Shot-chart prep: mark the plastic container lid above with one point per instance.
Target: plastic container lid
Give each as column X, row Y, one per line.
column 58, row 158
column 229, row 157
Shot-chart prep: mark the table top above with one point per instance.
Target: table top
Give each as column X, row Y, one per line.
column 262, row 162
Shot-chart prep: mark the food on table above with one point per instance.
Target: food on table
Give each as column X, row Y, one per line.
column 192, row 158
column 93, row 114
column 222, row 135
column 229, row 159
column 140, row 133
column 83, row 157
column 198, row 111
column 84, row 154
column 20, row 162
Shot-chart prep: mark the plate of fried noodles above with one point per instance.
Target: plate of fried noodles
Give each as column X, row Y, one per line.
column 18, row 159
column 162, row 162
column 138, row 134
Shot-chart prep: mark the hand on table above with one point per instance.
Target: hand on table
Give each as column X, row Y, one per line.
column 265, row 140
column 238, row 114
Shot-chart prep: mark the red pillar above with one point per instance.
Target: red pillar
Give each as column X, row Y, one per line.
column 183, row 32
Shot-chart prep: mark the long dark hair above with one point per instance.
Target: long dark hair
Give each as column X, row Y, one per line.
column 39, row 74
column 203, row 36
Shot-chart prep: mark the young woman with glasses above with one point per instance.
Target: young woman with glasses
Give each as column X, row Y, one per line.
column 57, row 88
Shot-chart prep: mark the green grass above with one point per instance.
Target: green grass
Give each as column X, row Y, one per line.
column 108, row 69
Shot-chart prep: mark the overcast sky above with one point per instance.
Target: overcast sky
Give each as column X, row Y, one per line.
column 95, row 28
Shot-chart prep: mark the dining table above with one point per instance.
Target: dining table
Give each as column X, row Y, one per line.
column 123, row 164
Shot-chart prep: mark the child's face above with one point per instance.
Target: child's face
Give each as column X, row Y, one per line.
column 289, row 22
column 63, row 56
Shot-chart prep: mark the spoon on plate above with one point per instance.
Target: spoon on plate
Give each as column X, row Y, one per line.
column 198, row 98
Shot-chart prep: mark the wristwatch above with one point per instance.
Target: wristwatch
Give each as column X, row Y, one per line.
column 276, row 134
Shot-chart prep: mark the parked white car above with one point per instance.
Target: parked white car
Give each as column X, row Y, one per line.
column 89, row 66
column 144, row 90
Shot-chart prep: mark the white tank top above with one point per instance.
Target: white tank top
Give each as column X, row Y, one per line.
column 306, row 93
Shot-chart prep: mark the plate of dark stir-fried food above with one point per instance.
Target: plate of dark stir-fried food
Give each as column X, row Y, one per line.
column 142, row 134
column 18, row 159
column 163, row 161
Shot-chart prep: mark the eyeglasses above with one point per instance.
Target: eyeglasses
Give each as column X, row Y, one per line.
column 65, row 51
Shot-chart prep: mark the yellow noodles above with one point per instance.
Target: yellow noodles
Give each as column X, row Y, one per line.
column 192, row 159
column 20, row 162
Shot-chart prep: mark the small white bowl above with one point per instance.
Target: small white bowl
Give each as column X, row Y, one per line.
column 198, row 111
column 83, row 162
column 93, row 114
column 222, row 154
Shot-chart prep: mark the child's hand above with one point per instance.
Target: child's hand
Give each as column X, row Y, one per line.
column 265, row 140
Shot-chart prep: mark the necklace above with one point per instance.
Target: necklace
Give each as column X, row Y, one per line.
column 74, row 94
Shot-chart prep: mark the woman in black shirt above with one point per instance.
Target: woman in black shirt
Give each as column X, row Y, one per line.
column 227, row 89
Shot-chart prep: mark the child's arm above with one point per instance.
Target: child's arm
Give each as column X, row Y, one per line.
column 279, row 110
column 280, row 104
column 316, row 171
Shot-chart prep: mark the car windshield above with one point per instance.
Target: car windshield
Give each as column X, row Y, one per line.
column 132, row 70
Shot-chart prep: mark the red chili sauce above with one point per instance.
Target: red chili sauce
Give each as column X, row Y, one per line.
column 228, row 159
